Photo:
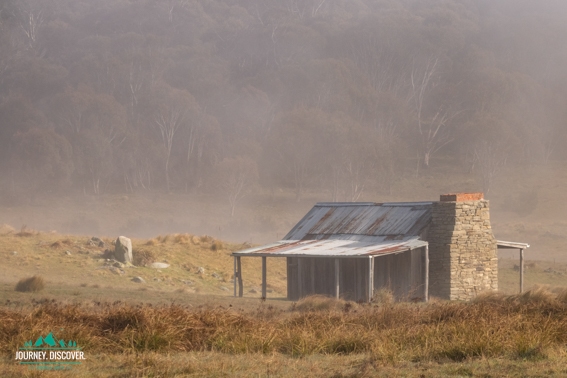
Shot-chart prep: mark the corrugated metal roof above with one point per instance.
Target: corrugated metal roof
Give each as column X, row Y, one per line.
column 352, row 229
column 334, row 247
column 512, row 245
column 365, row 218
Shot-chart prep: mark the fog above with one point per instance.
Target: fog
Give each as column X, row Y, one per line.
column 233, row 118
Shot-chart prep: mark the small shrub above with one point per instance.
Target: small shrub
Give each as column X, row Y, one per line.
column 30, row 284
column 25, row 232
column 152, row 242
column 217, row 246
column 143, row 257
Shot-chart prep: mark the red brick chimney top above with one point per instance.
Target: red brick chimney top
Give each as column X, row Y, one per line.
column 461, row 197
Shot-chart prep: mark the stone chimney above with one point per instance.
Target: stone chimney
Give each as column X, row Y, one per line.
column 463, row 257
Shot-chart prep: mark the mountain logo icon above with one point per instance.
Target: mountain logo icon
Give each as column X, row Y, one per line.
column 49, row 341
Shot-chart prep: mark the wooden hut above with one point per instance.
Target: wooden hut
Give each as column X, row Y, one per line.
column 414, row 249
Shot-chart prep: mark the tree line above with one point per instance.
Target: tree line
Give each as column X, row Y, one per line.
column 230, row 95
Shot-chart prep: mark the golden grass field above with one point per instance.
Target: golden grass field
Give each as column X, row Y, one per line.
column 184, row 323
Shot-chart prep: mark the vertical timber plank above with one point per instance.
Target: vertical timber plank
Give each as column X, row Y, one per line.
column 299, row 277
column 313, row 260
column 234, row 276
column 521, row 271
column 370, row 278
column 426, row 289
column 264, row 277
column 337, row 278
column 239, row 267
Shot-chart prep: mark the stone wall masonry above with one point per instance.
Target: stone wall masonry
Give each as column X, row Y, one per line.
column 463, row 258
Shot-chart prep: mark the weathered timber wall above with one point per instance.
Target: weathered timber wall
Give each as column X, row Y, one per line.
column 402, row 273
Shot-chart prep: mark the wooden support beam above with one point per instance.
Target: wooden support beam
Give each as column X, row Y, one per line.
column 300, row 277
column 370, row 278
column 234, row 276
column 239, row 267
column 264, row 277
column 426, row 288
column 337, row 277
column 313, row 260
column 521, row 271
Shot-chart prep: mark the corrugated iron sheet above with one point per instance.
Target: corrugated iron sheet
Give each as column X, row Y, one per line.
column 334, row 247
column 367, row 218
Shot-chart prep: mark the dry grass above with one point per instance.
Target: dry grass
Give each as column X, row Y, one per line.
column 143, row 257
column 532, row 326
column 61, row 243
column 6, row 229
column 318, row 303
column 31, row 284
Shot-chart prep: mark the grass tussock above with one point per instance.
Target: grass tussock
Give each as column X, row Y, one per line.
column 61, row 243
column 31, row 284
column 182, row 238
column 318, row 303
column 206, row 239
column 143, row 257
column 524, row 327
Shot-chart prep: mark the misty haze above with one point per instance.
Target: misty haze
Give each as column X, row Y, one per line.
column 144, row 144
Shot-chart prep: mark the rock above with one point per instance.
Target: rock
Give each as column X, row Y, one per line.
column 253, row 291
column 108, row 254
column 224, row 288
column 159, row 265
column 118, row 264
column 14, row 253
column 68, row 253
column 201, row 270
column 98, row 242
column 216, row 275
column 138, row 280
column 123, row 249
column 157, row 279
column 187, row 282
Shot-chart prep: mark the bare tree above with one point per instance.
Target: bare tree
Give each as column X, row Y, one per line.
column 489, row 158
column 172, row 112
column 168, row 120
column 431, row 126
column 237, row 176
column 31, row 21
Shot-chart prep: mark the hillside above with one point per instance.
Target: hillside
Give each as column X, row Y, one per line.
column 200, row 270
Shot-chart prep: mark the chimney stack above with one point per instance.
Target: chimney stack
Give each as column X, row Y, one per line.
column 462, row 248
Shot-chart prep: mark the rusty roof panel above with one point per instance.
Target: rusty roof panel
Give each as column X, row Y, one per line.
column 353, row 246
column 366, row 218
